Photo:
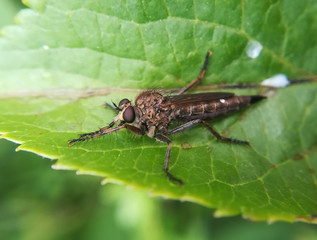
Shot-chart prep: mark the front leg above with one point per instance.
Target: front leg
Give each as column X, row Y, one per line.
column 104, row 131
column 165, row 139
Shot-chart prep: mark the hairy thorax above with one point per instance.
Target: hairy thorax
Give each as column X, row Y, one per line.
column 151, row 114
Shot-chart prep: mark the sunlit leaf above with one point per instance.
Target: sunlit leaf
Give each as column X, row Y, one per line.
column 65, row 59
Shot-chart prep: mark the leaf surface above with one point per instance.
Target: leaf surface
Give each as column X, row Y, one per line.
column 65, row 59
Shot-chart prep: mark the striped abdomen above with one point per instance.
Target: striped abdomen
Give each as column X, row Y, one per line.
column 211, row 109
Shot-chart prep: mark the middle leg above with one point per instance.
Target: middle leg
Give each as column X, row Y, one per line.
column 165, row 139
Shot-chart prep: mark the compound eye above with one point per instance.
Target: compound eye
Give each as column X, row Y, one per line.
column 123, row 101
column 129, row 115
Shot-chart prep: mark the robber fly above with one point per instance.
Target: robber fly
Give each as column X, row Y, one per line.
column 152, row 113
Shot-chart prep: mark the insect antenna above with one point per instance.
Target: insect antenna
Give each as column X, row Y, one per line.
column 113, row 107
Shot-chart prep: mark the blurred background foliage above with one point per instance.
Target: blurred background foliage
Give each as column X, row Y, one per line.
column 37, row 202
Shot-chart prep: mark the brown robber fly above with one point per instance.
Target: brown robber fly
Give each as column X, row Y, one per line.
column 152, row 113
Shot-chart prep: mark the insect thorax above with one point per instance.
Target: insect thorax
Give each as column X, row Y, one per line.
column 150, row 113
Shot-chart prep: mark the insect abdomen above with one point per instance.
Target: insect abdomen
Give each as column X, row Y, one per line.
column 214, row 108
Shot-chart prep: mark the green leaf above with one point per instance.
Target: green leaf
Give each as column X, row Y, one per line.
column 8, row 10
column 65, row 59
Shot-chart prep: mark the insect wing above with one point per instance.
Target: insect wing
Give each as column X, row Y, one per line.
column 199, row 97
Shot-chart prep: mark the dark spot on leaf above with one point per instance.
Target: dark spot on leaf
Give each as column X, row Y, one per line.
column 299, row 157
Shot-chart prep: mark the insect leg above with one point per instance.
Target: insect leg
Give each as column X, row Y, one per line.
column 165, row 139
column 88, row 136
column 198, row 79
column 104, row 131
column 135, row 130
column 195, row 122
column 96, row 132
column 184, row 127
column 221, row 138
